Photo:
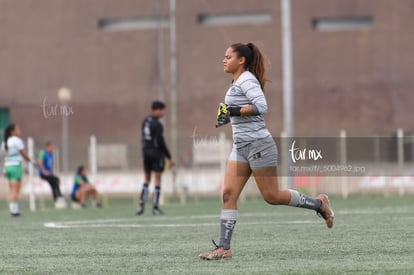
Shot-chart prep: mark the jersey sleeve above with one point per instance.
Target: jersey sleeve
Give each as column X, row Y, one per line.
column 251, row 88
column 41, row 155
column 159, row 135
column 19, row 144
column 164, row 148
column 78, row 180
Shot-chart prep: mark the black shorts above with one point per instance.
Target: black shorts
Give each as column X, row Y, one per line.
column 154, row 161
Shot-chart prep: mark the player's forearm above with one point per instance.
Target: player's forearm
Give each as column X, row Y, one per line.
column 248, row 111
column 243, row 111
column 24, row 155
column 42, row 168
column 164, row 147
column 167, row 152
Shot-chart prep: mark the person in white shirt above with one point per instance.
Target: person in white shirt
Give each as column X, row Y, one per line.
column 13, row 149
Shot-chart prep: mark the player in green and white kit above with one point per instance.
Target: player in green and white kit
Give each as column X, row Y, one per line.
column 13, row 148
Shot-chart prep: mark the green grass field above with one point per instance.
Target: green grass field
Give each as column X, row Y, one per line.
column 372, row 235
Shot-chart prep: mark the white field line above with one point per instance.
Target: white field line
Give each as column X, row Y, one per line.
column 166, row 222
column 166, row 218
column 168, row 225
column 373, row 211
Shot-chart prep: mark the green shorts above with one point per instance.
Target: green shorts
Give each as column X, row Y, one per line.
column 14, row 173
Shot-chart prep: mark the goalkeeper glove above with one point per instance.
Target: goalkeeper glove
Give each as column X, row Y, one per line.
column 225, row 112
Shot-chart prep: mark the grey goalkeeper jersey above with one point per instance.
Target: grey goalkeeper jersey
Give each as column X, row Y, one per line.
column 243, row 92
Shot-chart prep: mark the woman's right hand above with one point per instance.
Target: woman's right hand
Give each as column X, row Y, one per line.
column 223, row 115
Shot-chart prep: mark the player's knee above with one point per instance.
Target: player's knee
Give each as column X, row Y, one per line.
column 267, row 198
column 228, row 196
column 225, row 197
column 272, row 198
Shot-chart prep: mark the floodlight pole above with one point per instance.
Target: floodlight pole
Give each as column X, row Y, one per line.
column 65, row 142
column 287, row 76
column 160, row 54
column 173, row 69
column 64, row 95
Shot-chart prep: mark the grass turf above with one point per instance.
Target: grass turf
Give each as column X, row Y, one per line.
column 372, row 235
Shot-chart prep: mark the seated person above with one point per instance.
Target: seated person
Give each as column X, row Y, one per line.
column 83, row 189
column 46, row 159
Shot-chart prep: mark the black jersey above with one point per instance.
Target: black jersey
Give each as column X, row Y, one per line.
column 152, row 136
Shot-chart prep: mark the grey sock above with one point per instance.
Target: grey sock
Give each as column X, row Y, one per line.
column 228, row 220
column 156, row 198
column 299, row 200
column 144, row 193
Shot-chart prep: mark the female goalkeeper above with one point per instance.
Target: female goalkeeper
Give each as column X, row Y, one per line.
column 254, row 150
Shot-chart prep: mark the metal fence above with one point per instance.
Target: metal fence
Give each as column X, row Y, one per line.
column 340, row 165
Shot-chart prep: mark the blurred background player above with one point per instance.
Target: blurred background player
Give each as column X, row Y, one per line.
column 83, row 189
column 13, row 148
column 254, row 150
column 154, row 151
column 45, row 160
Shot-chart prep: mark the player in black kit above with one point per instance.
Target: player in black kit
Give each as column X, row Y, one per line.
column 154, row 151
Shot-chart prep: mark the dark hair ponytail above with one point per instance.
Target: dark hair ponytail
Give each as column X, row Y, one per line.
column 255, row 60
column 80, row 169
column 7, row 133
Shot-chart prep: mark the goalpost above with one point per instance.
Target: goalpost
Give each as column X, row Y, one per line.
column 30, row 151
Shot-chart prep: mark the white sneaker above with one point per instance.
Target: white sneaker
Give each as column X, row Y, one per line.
column 61, row 203
column 76, row 205
column 14, row 209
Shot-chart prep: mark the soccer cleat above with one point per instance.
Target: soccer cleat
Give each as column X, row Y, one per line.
column 156, row 211
column 15, row 215
column 140, row 209
column 219, row 253
column 326, row 211
column 98, row 205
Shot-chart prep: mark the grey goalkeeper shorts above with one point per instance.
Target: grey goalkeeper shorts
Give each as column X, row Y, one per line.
column 260, row 153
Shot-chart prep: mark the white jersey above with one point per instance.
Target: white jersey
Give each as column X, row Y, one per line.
column 14, row 145
column 246, row 91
